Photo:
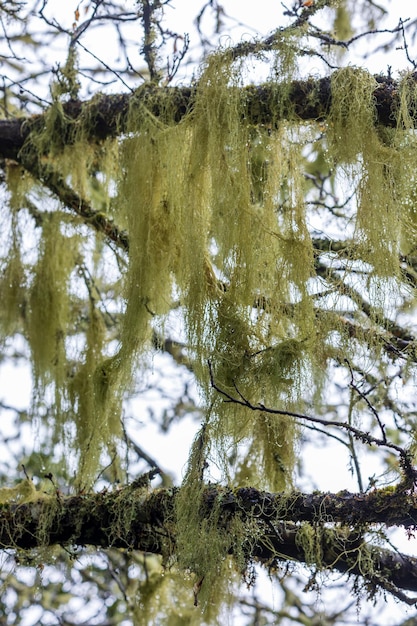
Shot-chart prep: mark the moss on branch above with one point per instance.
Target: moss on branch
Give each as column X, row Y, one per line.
column 107, row 114
column 279, row 527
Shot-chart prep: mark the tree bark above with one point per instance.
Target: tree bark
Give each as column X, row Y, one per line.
column 136, row 518
column 106, row 115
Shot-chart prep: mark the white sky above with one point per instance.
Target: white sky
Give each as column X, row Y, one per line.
column 257, row 19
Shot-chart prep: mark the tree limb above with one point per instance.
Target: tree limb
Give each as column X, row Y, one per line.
column 136, row 518
column 106, row 116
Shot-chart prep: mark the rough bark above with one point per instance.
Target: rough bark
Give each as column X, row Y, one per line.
column 144, row 520
column 107, row 114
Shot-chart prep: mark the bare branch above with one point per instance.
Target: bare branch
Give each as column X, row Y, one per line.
column 364, row 437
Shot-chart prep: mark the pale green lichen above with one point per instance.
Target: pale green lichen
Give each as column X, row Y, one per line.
column 373, row 165
column 217, row 219
column 216, row 215
column 49, row 303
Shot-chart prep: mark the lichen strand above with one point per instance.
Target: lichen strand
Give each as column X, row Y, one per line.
column 206, row 536
column 96, row 399
column 258, row 259
column 373, row 164
column 12, row 288
column 49, row 305
column 148, row 203
column 13, row 275
column 342, row 24
column 406, row 142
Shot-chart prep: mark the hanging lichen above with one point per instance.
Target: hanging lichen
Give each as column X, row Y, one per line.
column 405, row 140
column 342, row 24
column 260, row 258
column 217, row 218
column 12, row 288
column 373, row 166
column 352, row 115
column 206, row 536
column 49, row 304
column 96, row 398
column 216, row 214
column 13, row 275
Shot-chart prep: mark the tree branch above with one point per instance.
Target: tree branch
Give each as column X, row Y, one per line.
column 405, row 457
column 136, row 518
column 106, row 116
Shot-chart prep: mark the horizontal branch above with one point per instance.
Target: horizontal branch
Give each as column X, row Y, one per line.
column 136, row 518
column 106, row 116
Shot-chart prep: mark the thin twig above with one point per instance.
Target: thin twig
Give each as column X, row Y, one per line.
column 368, row 404
column 365, row 437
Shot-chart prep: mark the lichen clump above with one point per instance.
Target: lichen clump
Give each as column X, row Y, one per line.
column 217, row 214
column 202, row 213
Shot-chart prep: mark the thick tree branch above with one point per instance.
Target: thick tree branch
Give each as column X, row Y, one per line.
column 136, row 518
column 106, row 116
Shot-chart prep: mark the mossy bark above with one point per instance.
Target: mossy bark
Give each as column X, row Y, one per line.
column 134, row 518
column 107, row 114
